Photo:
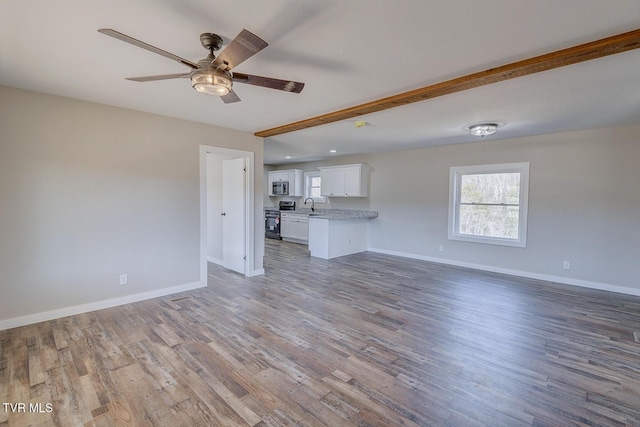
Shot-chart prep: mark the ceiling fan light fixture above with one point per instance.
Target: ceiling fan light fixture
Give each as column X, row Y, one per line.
column 483, row 129
column 211, row 82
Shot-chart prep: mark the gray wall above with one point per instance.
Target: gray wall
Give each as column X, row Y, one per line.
column 88, row 192
column 584, row 205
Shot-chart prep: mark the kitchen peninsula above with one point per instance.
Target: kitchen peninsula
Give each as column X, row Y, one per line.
column 334, row 233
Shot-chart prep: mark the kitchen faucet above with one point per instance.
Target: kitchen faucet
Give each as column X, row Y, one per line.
column 313, row 203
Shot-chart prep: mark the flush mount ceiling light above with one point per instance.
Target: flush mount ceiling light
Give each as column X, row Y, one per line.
column 360, row 123
column 483, row 129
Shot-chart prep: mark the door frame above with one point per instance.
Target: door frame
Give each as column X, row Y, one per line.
column 249, row 207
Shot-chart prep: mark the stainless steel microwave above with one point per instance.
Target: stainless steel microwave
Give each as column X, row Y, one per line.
column 280, row 188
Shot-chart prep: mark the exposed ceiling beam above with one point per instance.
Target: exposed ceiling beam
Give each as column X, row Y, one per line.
column 573, row 55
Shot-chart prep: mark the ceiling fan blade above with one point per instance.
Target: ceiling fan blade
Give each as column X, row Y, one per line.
column 244, row 46
column 136, row 42
column 231, row 97
column 268, row 82
column 159, row 77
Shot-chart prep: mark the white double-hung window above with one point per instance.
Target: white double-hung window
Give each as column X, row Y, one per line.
column 312, row 186
column 488, row 203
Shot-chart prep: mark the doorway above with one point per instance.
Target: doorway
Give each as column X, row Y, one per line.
column 226, row 207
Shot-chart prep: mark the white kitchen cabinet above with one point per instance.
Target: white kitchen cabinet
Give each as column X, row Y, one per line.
column 332, row 181
column 300, row 228
column 345, row 180
column 279, row 176
column 294, row 227
column 293, row 176
column 353, row 185
column 285, row 225
column 296, row 183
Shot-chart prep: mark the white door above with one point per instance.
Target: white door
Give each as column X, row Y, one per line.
column 233, row 214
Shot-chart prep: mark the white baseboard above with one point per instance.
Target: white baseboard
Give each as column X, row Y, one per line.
column 256, row 272
column 527, row 274
column 214, row 260
column 97, row 305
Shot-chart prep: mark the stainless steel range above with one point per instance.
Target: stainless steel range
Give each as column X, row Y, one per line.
column 272, row 224
column 272, row 219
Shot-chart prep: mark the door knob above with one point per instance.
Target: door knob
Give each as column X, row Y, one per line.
column 223, row 214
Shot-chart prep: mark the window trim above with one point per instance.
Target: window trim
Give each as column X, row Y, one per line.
column 307, row 186
column 455, row 174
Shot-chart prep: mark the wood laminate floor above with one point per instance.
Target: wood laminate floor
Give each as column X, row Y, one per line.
column 362, row 340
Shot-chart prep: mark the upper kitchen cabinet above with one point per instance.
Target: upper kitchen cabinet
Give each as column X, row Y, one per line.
column 293, row 177
column 345, row 180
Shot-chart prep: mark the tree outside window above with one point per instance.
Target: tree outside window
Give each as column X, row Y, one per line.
column 488, row 203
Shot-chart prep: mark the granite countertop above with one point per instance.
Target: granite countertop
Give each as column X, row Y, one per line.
column 337, row 214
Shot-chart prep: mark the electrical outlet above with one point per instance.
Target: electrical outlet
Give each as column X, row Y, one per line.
column 441, row 248
column 124, row 279
column 566, row 265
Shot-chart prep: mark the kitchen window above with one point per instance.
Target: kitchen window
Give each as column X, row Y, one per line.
column 488, row 204
column 312, row 181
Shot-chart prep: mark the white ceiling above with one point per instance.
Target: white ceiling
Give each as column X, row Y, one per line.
column 347, row 53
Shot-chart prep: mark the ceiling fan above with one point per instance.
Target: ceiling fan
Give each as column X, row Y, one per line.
column 213, row 75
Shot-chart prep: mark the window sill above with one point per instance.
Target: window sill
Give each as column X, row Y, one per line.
column 489, row 240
